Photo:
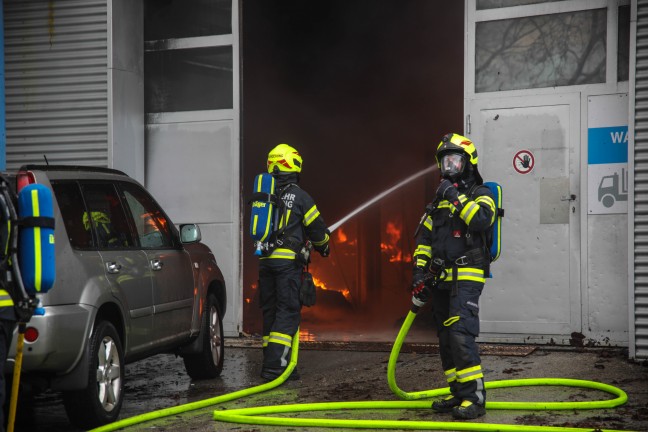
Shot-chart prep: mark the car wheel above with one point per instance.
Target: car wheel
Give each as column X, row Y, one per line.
column 100, row 402
column 209, row 362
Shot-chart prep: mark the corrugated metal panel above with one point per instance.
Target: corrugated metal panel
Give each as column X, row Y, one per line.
column 641, row 184
column 56, row 81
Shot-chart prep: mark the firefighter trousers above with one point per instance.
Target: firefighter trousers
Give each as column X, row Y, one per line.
column 6, row 334
column 279, row 284
column 456, row 316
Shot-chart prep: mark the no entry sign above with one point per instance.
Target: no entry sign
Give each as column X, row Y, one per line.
column 523, row 161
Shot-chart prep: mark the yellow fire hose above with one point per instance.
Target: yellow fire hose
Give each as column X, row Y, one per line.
column 259, row 415
column 13, row 403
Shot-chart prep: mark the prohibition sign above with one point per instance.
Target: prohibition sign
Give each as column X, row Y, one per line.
column 523, row 161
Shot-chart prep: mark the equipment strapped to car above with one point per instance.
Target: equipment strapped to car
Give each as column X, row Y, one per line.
column 36, row 238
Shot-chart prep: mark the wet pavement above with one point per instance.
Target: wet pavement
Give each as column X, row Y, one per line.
column 356, row 371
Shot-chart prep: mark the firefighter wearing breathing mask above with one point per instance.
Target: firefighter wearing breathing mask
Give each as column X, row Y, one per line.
column 451, row 247
column 280, row 271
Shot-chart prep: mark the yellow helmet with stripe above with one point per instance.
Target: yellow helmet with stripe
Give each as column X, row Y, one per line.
column 284, row 158
column 455, row 143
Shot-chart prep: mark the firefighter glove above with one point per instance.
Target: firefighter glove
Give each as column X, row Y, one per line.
column 323, row 249
column 419, row 276
column 421, row 292
column 447, row 191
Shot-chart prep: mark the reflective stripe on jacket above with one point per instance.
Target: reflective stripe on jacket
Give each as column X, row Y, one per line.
column 301, row 218
column 5, row 299
column 448, row 234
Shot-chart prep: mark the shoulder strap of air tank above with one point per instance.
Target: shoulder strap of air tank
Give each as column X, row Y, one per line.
column 281, row 206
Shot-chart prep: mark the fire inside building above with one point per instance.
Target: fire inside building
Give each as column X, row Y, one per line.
column 358, row 91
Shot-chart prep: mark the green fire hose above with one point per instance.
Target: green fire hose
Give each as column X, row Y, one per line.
column 260, row 415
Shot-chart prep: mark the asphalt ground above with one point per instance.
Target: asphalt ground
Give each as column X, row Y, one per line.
column 357, row 372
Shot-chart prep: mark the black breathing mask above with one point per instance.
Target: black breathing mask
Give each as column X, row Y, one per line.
column 452, row 166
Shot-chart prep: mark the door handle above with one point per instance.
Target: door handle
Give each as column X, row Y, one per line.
column 571, row 197
column 156, row 264
column 113, row 267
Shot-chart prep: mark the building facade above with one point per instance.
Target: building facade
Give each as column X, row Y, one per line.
column 554, row 97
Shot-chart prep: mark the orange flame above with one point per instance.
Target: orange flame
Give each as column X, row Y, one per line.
column 341, row 236
column 395, row 253
column 319, row 283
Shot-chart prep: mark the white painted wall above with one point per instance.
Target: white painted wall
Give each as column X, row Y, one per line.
column 597, row 279
column 126, row 87
column 193, row 172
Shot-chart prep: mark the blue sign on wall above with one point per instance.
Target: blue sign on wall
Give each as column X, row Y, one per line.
column 607, row 145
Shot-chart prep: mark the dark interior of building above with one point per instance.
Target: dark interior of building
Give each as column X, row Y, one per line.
column 364, row 90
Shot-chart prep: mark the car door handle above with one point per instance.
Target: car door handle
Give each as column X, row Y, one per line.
column 156, row 264
column 113, row 267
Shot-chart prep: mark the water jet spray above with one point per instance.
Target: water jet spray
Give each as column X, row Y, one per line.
column 381, row 195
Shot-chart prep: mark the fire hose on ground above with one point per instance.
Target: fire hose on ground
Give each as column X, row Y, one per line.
column 263, row 415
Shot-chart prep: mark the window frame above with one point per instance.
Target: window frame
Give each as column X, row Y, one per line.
column 93, row 237
column 473, row 16
column 129, row 223
column 198, row 42
column 173, row 232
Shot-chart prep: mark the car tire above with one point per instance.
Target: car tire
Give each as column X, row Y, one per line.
column 100, row 402
column 209, row 362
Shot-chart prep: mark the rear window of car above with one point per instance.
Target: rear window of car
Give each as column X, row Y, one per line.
column 106, row 214
column 93, row 215
column 70, row 202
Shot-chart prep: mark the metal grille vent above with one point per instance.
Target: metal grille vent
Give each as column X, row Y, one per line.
column 641, row 185
column 56, row 82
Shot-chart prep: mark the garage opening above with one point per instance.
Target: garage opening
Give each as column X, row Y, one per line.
column 364, row 90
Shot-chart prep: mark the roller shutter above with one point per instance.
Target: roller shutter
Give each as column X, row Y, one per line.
column 56, row 82
column 641, row 185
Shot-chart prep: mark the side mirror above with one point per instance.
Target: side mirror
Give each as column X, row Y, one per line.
column 190, row 233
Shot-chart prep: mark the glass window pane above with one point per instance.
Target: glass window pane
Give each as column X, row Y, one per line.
column 541, row 51
column 188, row 79
column 171, row 19
column 151, row 225
column 106, row 214
column 70, row 202
column 623, row 44
column 495, row 4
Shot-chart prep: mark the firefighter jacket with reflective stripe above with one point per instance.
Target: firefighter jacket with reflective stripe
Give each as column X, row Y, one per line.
column 301, row 221
column 7, row 310
column 449, row 232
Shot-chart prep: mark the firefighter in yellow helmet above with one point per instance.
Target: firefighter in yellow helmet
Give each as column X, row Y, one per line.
column 280, row 270
column 451, row 248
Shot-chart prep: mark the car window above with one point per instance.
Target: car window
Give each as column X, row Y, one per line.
column 70, row 202
column 106, row 214
column 151, row 225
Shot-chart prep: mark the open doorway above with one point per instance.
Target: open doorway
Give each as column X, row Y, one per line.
column 364, row 90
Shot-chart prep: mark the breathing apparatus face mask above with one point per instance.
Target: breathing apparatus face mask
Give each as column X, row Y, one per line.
column 453, row 165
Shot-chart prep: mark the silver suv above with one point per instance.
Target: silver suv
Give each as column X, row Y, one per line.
column 128, row 285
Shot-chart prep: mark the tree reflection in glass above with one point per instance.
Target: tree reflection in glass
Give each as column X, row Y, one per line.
column 541, row 51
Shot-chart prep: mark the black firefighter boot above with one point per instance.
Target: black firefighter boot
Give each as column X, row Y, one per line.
column 468, row 411
column 446, row 404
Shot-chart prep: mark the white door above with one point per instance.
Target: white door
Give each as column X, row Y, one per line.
column 531, row 146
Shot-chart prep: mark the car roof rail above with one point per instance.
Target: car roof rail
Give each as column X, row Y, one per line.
column 84, row 168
